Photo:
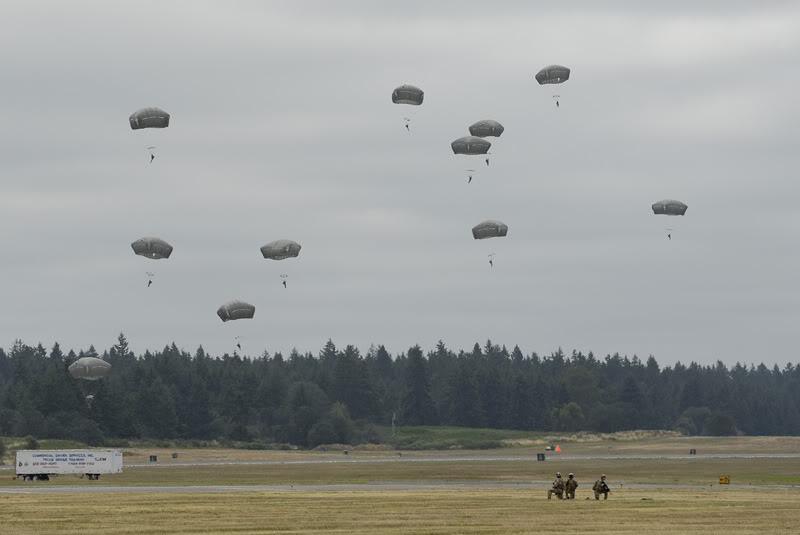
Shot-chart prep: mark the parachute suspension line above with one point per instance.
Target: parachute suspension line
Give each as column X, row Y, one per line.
column 407, row 95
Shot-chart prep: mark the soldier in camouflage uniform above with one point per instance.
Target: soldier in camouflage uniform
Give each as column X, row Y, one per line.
column 558, row 487
column 601, row 487
column 572, row 484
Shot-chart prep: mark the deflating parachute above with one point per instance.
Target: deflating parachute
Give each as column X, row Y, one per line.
column 89, row 368
column 236, row 310
column 486, row 128
column 149, row 118
column 281, row 249
column 489, row 229
column 669, row 207
column 153, row 248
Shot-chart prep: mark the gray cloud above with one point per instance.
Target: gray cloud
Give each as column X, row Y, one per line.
column 282, row 127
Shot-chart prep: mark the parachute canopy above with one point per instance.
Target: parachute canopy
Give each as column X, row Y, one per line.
column 89, row 368
column 149, row 118
column 486, row 128
column 669, row 207
column 470, row 145
column 552, row 74
column 489, row 229
column 236, row 310
column 281, row 249
column 150, row 247
column 408, row 94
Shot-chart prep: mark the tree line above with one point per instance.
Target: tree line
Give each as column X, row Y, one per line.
column 341, row 395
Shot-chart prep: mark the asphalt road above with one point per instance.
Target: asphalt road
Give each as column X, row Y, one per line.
column 540, row 486
column 451, row 458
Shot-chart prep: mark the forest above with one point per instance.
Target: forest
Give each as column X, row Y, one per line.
column 341, row 396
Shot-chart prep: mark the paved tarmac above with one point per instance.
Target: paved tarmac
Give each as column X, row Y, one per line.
column 540, row 486
column 410, row 458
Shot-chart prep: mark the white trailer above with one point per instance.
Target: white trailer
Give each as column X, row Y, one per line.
column 39, row 465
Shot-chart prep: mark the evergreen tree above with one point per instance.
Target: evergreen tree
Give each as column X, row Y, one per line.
column 463, row 396
column 417, row 404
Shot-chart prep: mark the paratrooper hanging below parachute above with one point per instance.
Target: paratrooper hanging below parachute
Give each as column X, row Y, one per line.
column 410, row 95
column 471, row 146
column 489, row 229
column 553, row 74
column 89, row 369
column 669, row 207
column 146, row 118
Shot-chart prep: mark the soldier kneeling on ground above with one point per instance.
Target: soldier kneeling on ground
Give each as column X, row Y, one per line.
column 601, row 487
column 558, row 487
column 572, row 484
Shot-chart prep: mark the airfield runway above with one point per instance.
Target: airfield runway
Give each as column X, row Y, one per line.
column 376, row 486
column 387, row 484
column 410, row 458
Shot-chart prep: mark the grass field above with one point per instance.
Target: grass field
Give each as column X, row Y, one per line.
column 692, row 470
column 393, row 512
column 705, row 507
column 458, row 441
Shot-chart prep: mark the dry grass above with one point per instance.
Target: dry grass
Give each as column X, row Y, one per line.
column 471, row 511
column 629, row 442
column 584, row 437
column 623, row 443
column 711, row 509
column 667, row 442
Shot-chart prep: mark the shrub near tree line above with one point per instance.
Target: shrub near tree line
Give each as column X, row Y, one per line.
column 340, row 395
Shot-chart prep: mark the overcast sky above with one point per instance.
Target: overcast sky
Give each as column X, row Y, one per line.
column 283, row 128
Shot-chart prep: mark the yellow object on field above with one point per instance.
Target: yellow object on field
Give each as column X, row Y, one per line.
column 724, row 480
